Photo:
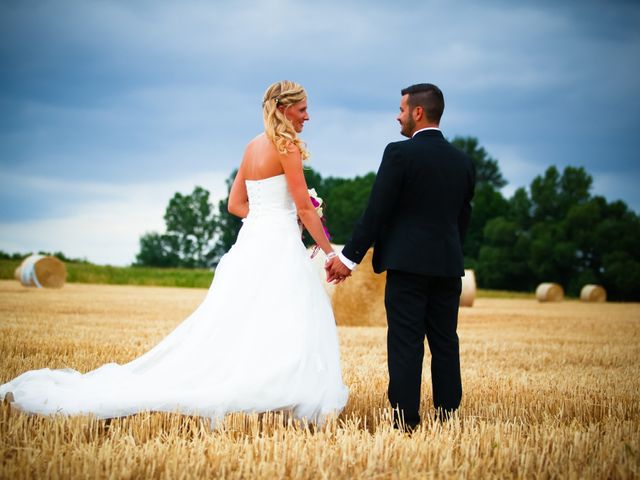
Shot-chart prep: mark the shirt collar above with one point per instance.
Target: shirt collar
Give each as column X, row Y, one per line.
column 425, row 129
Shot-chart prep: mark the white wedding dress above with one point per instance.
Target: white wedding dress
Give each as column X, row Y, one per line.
column 264, row 339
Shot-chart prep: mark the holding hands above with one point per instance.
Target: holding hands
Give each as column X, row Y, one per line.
column 336, row 270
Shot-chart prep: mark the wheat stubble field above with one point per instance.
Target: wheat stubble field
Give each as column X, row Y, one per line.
column 550, row 390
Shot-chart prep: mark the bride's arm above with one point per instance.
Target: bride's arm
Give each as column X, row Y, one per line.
column 238, row 204
column 292, row 165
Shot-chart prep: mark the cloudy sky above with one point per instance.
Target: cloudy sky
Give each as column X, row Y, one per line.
column 110, row 107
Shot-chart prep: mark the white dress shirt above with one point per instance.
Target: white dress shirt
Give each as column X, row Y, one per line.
column 346, row 261
column 424, row 129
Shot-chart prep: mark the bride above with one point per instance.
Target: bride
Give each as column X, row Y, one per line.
column 263, row 339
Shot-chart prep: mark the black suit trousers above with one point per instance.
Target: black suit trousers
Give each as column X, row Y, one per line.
column 419, row 306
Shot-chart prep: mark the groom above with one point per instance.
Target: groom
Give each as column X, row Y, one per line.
column 416, row 218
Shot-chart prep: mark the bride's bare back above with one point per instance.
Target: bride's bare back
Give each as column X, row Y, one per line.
column 261, row 160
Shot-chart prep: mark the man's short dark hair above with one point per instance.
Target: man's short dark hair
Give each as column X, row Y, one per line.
column 427, row 96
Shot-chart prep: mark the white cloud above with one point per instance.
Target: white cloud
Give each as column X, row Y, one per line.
column 105, row 230
column 346, row 143
column 108, row 100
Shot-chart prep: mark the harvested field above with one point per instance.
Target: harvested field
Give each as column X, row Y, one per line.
column 550, row 390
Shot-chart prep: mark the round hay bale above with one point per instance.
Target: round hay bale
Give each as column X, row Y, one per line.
column 468, row 294
column 593, row 293
column 41, row 271
column 549, row 292
column 359, row 300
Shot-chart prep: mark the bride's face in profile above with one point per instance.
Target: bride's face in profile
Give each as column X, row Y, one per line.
column 297, row 114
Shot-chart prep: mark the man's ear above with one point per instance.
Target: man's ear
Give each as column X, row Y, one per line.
column 418, row 113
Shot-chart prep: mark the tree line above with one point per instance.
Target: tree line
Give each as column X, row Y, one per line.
column 18, row 256
column 554, row 230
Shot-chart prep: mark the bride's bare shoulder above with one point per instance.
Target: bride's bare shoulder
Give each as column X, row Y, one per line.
column 257, row 144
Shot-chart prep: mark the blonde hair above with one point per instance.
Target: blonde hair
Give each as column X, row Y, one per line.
column 277, row 127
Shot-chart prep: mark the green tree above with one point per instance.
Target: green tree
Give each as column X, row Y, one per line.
column 345, row 203
column 191, row 226
column 228, row 224
column 488, row 203
column 553, row 257
column 556, row 255
column 519, row 210
column 606, row 236
column 553, row 194
column 621, row 276
column 545, row 196
column 503, row 258
column 157, row 250
column 555, row 231
column 487, row 169
column 314, row 180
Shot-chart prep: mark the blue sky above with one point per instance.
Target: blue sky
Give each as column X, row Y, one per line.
column 110, row 107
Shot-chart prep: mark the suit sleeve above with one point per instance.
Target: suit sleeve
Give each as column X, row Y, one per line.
column 382, row 200
column 464, row 217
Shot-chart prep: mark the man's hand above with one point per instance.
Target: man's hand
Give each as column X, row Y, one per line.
column 336, row 270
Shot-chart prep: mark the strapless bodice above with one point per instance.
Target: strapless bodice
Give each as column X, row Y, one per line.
column 269, row 196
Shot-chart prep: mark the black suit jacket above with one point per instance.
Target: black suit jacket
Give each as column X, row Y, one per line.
column 418, row 210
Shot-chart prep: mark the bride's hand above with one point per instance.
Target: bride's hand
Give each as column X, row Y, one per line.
column 336, row 271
